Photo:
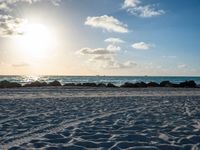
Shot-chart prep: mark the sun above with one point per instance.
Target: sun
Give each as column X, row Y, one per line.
column 36, row 42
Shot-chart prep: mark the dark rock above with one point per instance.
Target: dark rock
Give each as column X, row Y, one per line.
column 7, row 84
column 35, row 84
column 15, row 84
column 141, row 84
column 101, row 85
column 43, row 84
column 153, row 84
column 78, row 84
column 134, row 85
column 55, row 83
column 166, row 84
column 188, row 84
column 4, row 84
column 111, row 85
column 89, row 84
column 70, row 84
column 128, row 85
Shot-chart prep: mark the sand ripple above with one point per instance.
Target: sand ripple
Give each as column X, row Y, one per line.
column 115, row 123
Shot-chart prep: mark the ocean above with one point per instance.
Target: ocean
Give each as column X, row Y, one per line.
column 117, row 80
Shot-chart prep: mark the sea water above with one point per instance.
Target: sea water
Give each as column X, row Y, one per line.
column 117, row 80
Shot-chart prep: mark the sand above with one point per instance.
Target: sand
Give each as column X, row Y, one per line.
column 75, row 118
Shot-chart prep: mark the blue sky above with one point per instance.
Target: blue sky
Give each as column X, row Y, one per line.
column 107, row 37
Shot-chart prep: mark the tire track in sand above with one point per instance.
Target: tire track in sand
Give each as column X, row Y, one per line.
column 27, row 137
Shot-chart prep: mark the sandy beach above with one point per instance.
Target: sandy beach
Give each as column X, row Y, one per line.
column 99, row 118
column 99, row 75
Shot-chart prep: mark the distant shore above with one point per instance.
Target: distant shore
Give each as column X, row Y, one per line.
column 55, row 83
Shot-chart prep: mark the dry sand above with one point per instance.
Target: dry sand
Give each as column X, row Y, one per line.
column 75, row 118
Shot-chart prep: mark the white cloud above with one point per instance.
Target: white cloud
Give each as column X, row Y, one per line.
column 10, row 2
column 108, row 23
column 113, row 64
column 113, row 48
column 56, row 2
column 86, row 51
column 134, row 7
column 110, row 49
column 109, row 62
column 104, row 57
column 10, row 26
column 4, row 7
column 101, row 58
column 131, row 3
column 9, row 5
column 145, row 11
column 142, row 45
column 128, row 64
column 114, row 40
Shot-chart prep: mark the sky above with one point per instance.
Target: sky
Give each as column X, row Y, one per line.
column 100, row 37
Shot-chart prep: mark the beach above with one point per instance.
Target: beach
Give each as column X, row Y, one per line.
column 99, row 118
column 99, row 75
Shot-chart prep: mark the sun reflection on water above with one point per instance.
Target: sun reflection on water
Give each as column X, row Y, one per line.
column 31, row 78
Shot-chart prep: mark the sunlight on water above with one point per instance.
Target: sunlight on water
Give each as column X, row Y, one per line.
column 30, row 78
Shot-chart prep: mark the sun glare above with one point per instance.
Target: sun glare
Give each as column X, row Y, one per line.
column 36, row 42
